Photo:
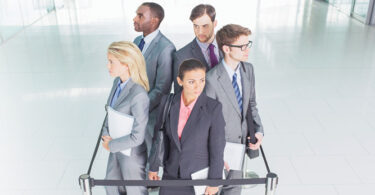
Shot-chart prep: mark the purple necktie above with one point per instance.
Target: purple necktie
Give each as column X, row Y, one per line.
column 213, row 58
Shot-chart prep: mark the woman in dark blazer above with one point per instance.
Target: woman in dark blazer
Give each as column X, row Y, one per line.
column 128, row 96
column 194, row 132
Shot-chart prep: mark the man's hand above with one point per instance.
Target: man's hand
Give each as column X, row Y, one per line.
column 153, row 175
column 256, row 146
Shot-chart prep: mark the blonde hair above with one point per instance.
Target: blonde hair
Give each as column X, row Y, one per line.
column 128, row 53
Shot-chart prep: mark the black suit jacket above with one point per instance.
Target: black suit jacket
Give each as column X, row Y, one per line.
column 202, row 141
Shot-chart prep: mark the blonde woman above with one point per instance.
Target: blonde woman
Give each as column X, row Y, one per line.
column 129, row 96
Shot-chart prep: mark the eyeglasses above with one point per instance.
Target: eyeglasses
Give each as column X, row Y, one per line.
column 243, row 47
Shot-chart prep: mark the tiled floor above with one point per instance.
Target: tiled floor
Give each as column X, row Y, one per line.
column 315, row 80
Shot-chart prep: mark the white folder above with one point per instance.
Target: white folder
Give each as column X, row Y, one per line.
column 201, row 174
column 119, row 125
column 234, row 154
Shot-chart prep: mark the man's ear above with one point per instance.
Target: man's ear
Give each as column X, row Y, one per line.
column 215, row 23
column 226, row 49
column 155, row 21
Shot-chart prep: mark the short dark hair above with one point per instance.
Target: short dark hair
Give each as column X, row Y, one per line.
column 156, row 10
column 229, row 34
column 189, row 65
column 202, row 9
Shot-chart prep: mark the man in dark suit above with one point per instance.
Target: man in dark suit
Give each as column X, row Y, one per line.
column 232, row 83
column 204, row 46
column 157, row 51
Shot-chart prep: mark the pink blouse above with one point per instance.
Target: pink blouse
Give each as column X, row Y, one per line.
column 185, row 112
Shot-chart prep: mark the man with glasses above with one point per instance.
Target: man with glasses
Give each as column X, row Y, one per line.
column 204, row 46
column 232, row 83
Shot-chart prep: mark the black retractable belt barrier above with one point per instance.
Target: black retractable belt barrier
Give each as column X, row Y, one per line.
column 86, row 182
column 97, row 142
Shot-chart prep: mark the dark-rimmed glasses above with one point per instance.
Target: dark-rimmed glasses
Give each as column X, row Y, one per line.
column 242, row 47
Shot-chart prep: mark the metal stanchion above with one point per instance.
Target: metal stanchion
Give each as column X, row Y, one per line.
column 248, row 173
column 271, row 183
column 84, row 182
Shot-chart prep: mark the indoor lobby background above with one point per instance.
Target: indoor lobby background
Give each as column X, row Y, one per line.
column 314, row 65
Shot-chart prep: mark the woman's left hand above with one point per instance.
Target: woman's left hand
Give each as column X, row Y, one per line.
column 106, row 140
column 211, row 190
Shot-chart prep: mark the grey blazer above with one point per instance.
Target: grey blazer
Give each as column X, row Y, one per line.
column 133, row 100
column 191, row 50
column 159, row 62
column 219, row 87
column 202, row 141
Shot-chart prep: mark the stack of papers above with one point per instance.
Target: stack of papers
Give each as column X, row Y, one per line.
column 119, row 125
column 201, row 174
column 234, row 155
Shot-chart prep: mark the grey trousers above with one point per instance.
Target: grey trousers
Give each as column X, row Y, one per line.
column 232, row 190
column 122, row 167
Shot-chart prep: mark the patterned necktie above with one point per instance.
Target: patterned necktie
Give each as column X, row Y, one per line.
column 141, row 44
column 237, row 91
column 115, row 96
column 213, row 58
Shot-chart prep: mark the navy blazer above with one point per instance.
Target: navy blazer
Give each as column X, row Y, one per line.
column 202, row 141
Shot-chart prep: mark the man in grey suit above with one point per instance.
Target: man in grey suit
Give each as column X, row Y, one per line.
column 157, row 51
column 204, row 46
column 232, row 83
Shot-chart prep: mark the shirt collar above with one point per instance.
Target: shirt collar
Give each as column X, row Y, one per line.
column 123, row 84
column 204, row 46
column 190, row 106
column 230, row 70
column 150, row 36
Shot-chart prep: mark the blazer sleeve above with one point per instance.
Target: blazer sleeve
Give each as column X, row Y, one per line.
column 139, row 110
column 163, row 76
column 253, row 104
column 153, row 159
column 216, row 143
column 105, row 127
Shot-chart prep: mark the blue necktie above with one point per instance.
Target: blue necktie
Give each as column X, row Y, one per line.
column 141, row 44
column 237, row 91
column 117, row 93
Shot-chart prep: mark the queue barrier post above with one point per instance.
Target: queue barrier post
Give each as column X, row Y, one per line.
column 85, row 184
column 271, row 183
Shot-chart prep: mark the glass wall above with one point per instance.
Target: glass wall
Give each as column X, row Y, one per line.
column 16, row 15
column 356, row 8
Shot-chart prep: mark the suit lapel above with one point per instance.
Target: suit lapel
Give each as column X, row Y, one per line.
column 137, row 40
column 174, row 115
column 153, row 44
column 245, row 80
column 113, row 90
column 197, row 53
column 193, row 119
column 124, row 93
column 226, row 84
